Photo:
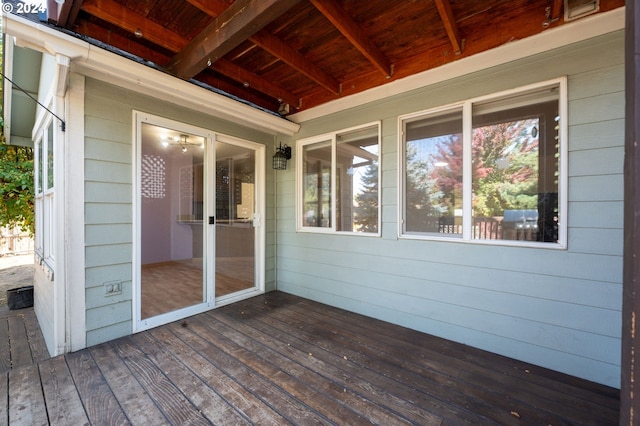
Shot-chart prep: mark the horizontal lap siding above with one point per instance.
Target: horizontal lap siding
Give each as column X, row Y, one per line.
column 555, row 308
column 109, row 211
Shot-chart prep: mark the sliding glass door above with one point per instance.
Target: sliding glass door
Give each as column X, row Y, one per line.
column 199, row 204
column 172, row 203
column 236, row 218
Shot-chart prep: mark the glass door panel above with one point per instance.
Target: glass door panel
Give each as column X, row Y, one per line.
column 172, row 197
column 235, row 208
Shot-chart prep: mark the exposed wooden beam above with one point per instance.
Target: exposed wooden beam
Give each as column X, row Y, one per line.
column 63, row 13
column 256, row 82
column 114, row 13
column 120, row 41
column 122, row 17
column 277, row 48
column 230, row 88
column 556, row 8
column 449, row 21
column 73, row 14
column 212, row 8
column 340, row 19
column 233, row 26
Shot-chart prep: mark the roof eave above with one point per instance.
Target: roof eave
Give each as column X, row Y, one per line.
column 98, row 63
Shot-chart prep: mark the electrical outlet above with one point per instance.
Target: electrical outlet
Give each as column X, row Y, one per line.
column 112, row 288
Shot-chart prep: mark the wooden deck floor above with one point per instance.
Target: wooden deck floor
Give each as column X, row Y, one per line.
column 279, row 359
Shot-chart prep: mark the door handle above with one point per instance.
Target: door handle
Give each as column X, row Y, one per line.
column 212, row 220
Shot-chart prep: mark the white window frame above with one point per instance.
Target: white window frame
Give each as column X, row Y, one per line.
column 39, row 195
column 332, row 138
column 467, row 131
column 45, row 214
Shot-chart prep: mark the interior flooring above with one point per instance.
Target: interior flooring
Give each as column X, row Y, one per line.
column 169, row 286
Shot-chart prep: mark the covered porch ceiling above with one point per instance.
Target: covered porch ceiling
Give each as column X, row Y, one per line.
column 287, row 56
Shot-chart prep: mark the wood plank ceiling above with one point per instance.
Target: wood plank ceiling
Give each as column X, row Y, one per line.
column 290, row 55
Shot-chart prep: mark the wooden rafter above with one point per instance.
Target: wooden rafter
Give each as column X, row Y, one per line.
column 254, row 81
column 449, row 21
column 233, row 26
column 127, row 19
column 65, row 13
column 556, row 8
column 76, row 6
column 276, row 47
column 280, row 50
column 114, row 13
column 340, row 19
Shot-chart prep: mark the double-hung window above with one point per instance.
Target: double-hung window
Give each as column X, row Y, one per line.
column 44, row 194
column 338, row 181
column 492, row 168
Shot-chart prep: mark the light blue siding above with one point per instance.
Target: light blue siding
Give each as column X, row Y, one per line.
column 560, row 309
column 109, row 200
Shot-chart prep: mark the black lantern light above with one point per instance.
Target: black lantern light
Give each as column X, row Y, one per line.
column 283, row 153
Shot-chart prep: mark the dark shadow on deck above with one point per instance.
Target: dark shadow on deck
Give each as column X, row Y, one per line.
column 278, row 359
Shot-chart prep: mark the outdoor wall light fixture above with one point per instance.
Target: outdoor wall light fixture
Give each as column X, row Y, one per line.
column 283, row 153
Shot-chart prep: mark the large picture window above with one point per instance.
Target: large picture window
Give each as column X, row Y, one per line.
column 338, row 183
column 487, row 169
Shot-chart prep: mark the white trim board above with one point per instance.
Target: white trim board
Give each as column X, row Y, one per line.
column 590, row 27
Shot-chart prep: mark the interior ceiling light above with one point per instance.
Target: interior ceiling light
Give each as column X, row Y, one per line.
column 181, row 141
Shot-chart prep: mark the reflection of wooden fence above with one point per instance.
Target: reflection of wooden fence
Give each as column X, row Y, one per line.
column 484, row 228
column 14, row 241
column 487, row 228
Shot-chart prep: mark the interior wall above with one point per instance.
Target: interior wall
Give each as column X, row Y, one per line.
column 558, row 309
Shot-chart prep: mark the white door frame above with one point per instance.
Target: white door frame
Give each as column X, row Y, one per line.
column 140, row 324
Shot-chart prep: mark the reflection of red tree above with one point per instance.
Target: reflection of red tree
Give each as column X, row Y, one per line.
column 504, row 167
column 449, row 153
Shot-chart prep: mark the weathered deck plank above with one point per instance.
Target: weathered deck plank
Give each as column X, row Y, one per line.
column 477, row 370
column 36, row 341
column 430, row 366
column 302, row 364
column 280, row 359
column 282, row 371
column 203, row 397
column 61, row 397
column 173, row 404
column 100, row 404
column 5, row 348
column 244, row 402
column 20, row 350
column 4, row 398
column 136, row 403
column 26, row 401
column 394, row 396
column 264, row 389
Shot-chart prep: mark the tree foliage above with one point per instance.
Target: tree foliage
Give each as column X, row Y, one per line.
column 366, row 209
column 426, row 201
column 16, row 179
column 16, row 187
column 504, row 168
